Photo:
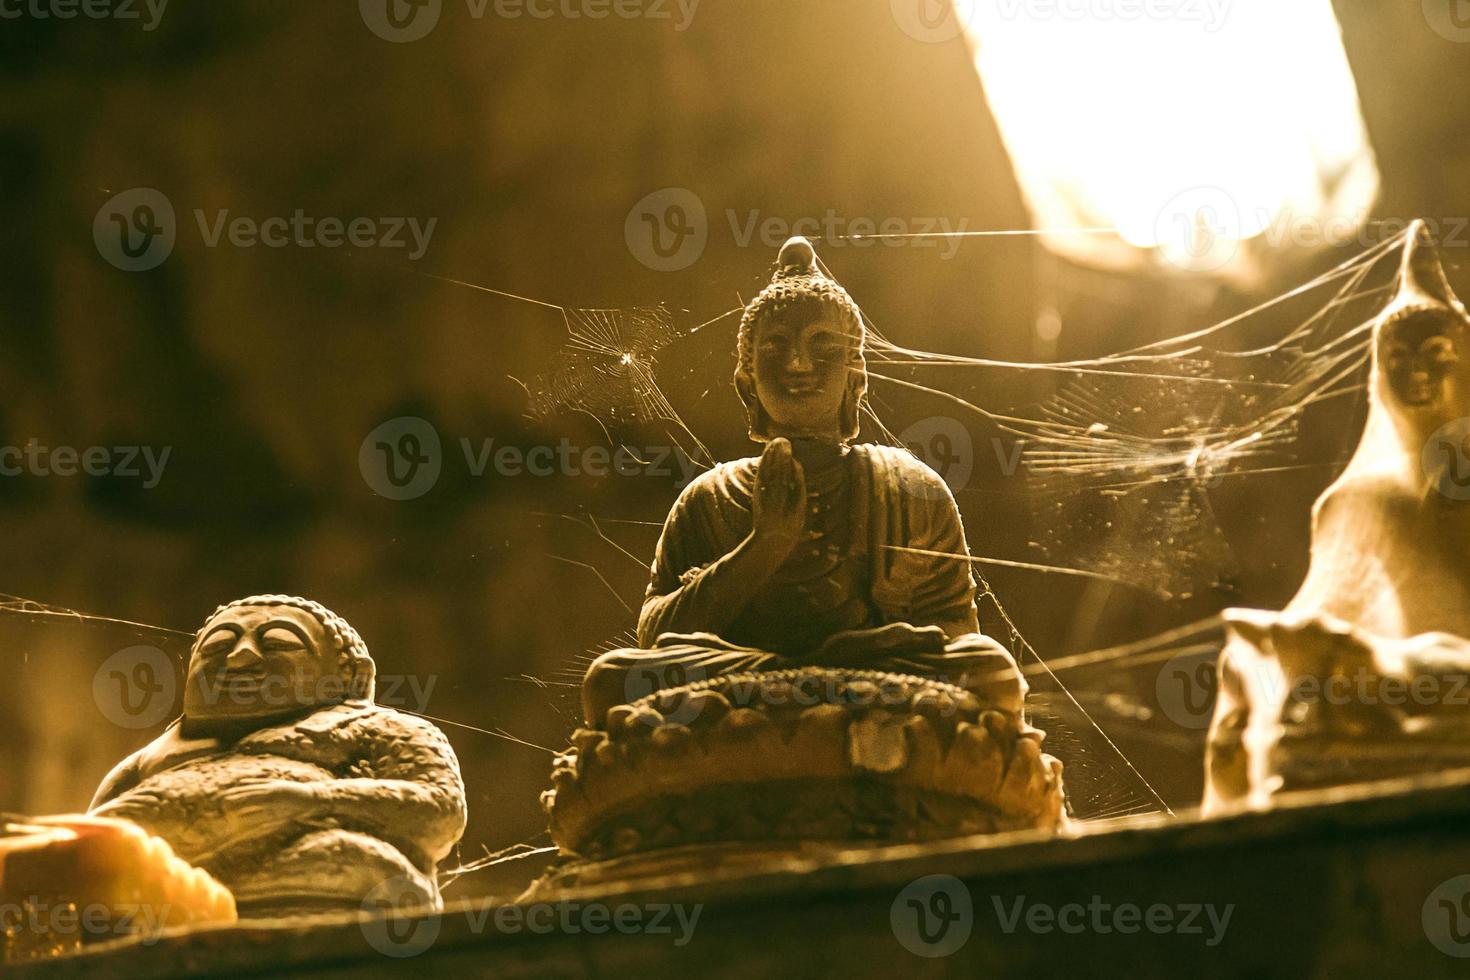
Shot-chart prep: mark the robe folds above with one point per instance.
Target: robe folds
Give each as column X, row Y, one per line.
column 897, row 555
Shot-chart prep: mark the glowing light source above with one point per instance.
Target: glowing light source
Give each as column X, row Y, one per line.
column 1190, row 126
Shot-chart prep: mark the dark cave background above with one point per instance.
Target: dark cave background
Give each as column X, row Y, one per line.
column 529, row 141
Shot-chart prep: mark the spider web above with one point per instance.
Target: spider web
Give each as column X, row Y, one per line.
column 1120, row 462
column 606, row 369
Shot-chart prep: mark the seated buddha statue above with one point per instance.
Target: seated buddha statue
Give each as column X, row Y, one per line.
column 817, row 552
column 283, row 779
column 811, row 625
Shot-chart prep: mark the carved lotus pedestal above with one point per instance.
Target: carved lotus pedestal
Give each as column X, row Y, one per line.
column 747, row 767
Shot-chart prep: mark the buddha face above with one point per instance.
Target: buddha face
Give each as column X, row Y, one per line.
column 259, row 663
column 1418, row 355
column 802, row 370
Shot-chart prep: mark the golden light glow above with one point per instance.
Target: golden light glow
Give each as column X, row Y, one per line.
column 1188, row 125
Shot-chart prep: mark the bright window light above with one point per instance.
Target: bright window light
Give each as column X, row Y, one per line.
column 1190, row 126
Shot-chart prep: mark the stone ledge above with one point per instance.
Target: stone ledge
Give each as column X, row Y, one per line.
column 1327, row 883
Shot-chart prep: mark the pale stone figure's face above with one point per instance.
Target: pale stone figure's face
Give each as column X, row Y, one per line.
column 259, row 663
column 802, row 371
column 1419, row 354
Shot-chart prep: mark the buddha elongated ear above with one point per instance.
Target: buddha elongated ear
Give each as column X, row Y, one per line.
column 851, row 421
column 851, row 415
column 755, row 414
column 361, row 675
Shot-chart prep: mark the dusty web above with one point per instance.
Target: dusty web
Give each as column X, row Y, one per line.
column 1120, row 464
column 606, row 370
column 1121, row 461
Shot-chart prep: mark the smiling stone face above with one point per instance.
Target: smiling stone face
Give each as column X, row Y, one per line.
column 801, row 370
column 801, row 373
column 259, row 663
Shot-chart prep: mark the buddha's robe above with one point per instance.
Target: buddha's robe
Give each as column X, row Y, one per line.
column 884, row 545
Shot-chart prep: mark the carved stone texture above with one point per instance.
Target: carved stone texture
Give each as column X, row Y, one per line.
column 817, row 567
column 284, row 780
column 801, row 754
column 1364, row 675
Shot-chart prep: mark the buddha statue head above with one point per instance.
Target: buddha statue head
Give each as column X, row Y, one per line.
column 269, row 658
column 801, row 372
column 1421, row 337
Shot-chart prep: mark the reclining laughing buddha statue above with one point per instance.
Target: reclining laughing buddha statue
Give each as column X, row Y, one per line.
column 284, row 780
column 1366, row 674
column 810, row 663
